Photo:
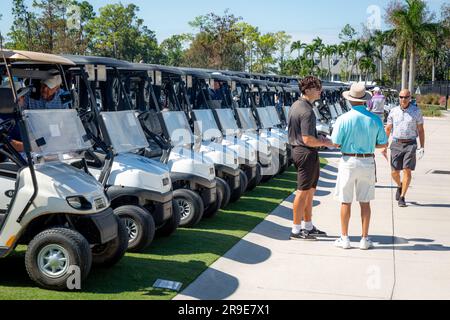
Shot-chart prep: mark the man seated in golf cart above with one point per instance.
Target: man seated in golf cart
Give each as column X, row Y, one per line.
column 216, row 93
column 51, row 95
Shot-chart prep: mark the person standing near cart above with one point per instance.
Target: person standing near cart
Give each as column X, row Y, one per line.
column 376, row 104
column 357, row 133
column 406, row 124
column 304, row 140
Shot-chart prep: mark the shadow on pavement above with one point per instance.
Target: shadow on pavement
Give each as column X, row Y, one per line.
column 433, row 205
column 213, row 285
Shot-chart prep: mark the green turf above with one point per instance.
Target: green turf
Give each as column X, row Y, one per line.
column 182, row 257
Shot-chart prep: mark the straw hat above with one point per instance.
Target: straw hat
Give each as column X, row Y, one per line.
column 357, row 93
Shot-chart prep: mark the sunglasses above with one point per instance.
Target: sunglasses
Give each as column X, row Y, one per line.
column 405, row 97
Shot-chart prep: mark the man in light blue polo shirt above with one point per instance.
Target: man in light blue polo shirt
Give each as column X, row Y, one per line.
column 357, row 133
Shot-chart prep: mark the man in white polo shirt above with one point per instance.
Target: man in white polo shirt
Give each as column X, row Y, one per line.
column 406, row 125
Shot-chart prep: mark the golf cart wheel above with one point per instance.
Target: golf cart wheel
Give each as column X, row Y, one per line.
column 236, row 194
column 140, row 226
column 190, row 206
column 214, row 208
column 108, row 254
column 172, row 224
column 244, row 182
column 52, row 255
column 256, row 180
column 226, row 192
column 285, row 165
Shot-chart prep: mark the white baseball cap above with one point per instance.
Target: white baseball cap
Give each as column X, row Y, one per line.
column 54, row 81
column 377, row 89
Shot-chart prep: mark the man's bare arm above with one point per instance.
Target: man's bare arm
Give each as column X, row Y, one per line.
column 421, row 129
column 313, row 142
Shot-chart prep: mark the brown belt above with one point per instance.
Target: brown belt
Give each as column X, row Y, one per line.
column 405, row 140
column 359, row 155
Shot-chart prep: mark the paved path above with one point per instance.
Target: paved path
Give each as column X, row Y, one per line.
column 411, row 259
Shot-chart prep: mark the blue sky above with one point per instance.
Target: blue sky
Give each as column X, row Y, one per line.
column 304, row 20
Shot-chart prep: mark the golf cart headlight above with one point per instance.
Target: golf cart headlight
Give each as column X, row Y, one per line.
column 79, row 203
column 212, row 171
column 166, row 182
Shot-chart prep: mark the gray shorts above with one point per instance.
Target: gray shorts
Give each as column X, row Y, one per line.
column 404, row 156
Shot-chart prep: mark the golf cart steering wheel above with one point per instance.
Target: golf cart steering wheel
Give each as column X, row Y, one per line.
column 6, row 127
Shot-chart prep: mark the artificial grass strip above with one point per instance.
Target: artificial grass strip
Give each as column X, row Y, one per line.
column 181, row 257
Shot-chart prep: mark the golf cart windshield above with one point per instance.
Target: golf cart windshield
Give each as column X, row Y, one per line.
column 57, row 133
column 247, row 120
column 266, row 122
column 273, row 114
column 124, row 131
column 227, row 121
column 205, row 125
column 178, row 128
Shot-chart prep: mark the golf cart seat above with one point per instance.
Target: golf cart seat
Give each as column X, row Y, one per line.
column 9, row 169
column 6, row 101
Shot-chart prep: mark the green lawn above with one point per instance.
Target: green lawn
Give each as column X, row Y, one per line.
column 182, row 257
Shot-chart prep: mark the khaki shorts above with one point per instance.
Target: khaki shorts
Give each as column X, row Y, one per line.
column 356, row 176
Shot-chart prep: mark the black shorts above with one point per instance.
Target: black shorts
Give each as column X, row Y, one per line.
column 307, row 162
column 403, row 156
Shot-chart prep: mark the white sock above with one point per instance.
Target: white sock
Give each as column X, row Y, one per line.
column 308, row 226
column 296, row 229
column 344, row 237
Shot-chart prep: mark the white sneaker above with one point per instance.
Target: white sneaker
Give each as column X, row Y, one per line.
column 343, row 243
column 365, row 244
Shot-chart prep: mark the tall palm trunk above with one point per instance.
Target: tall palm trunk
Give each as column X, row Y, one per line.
column 404, row 72
column 381, row 63
column 433, row 72
column 412, row 69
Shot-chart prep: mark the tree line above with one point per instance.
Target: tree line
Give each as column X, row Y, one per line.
column 416, row 47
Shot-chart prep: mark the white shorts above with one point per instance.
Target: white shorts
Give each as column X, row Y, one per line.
column 356, row 174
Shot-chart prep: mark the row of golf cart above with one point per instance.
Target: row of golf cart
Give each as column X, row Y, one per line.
column 136, row 152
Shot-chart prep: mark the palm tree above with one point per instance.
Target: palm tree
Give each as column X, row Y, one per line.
column 328, row 52
column 354, row 47
column 379, row 39
column 299, row 46
column 309, row 52
column 410, row 31
column 367, row 66
column 344, row 51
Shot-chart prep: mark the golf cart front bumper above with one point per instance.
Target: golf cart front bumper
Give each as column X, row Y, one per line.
column 205, row 188
column 230, row 175
column 158, row 204
column 99, row 228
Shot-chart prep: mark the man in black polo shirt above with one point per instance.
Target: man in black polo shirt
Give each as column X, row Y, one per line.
column 304, row 140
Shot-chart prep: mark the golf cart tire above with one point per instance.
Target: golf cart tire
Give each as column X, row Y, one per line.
column 285, row 166
column 172, row 224
column 266, row 179
column 226, row 192
column 110, row 253
column 144, row 223
column 214, row 208
column 78, row 254
column 236, row 194
column 195, row 202
column 252, row 184
column 244, row 182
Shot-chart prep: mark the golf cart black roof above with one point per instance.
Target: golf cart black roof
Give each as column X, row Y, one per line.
column 166, row 69
column 198, row 73
column 99, row 61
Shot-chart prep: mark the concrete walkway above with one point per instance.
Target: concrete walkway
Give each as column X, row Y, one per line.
column 411, row 259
